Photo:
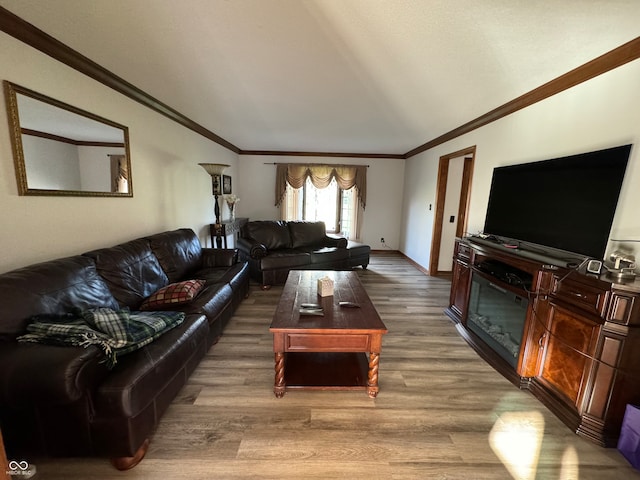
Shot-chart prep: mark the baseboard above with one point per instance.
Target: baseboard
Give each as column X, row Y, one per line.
column 411, row 261
column 415, row 264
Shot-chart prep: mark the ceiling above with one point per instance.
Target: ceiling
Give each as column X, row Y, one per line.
column 375, row 76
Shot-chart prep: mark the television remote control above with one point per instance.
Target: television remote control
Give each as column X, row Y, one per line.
column 349, row 305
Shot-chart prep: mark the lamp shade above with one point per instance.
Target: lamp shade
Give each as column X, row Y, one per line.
column 214, row 168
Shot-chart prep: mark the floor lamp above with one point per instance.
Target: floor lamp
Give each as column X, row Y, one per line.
column 215, row 170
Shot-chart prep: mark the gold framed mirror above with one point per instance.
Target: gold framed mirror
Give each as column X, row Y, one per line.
column 59, row 149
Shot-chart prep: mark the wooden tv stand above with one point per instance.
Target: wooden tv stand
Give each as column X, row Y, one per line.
column 580, row 350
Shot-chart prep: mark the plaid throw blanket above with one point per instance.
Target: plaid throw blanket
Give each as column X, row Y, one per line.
column 115, row 332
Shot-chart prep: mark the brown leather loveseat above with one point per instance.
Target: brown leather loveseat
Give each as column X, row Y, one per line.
column 65, row 401
column 272, row 248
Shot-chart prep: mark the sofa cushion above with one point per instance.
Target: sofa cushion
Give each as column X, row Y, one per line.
column 178, row 251
column 55, row 288
column 335, row 256
column 273, row 235
column 356, row 249
column 213, row 299
column 236, row 275
column 137, row 377
column 285, row 259
column 131, row 271
column 307, row 234
column 218, row 257
column 173, row 294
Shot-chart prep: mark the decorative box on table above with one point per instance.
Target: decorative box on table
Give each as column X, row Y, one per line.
column 325, row 287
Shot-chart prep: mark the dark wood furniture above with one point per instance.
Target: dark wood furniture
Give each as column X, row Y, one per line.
column 220, row 231
column 326, row 352
column 580, row 350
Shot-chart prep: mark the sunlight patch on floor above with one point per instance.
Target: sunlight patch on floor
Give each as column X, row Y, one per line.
column 569, row 467
column 516, row 438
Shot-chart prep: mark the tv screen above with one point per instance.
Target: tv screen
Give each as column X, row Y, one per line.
column 566, row 203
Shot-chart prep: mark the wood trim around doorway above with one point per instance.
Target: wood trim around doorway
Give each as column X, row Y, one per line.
column 441, row 189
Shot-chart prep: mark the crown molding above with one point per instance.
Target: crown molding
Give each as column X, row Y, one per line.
column 288, row 153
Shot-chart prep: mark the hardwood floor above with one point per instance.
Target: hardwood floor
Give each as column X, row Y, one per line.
column 442, row 412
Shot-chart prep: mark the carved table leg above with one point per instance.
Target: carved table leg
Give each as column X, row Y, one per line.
column 279, row 385
column 372, row 378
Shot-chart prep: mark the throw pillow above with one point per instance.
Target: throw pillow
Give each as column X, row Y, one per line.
column 173, row 294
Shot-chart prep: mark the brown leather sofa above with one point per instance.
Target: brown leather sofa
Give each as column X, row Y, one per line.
column 272, row 248
column 64, row 401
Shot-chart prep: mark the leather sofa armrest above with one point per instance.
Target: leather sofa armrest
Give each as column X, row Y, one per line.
column 219, row 257
column 252, row 248
column 35, row 373
column 339, row 242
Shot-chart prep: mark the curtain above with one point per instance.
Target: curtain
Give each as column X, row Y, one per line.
column 291, row 178
column 356, row 218
column 119, row 173
column 295, row 174
column 289, row 206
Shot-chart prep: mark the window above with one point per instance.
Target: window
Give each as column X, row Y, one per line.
column 335, row 194
column 330, row 205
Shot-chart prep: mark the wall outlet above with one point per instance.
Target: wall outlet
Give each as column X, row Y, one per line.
column 381, row 239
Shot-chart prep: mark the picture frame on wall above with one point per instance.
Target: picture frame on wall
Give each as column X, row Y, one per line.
column 226, row 184
column 216, row 184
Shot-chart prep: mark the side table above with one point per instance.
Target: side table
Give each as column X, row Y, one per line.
column 219, row 231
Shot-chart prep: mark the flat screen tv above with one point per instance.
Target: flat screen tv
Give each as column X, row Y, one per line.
column 565, row 203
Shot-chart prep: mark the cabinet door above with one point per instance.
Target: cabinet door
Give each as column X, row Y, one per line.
column 569, row 346
column 460, row 289
column 535, row 335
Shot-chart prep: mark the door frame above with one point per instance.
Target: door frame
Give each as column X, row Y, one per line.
column 469, row 155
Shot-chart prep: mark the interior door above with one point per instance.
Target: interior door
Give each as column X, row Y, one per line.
column 450, row 217
column 467, row 155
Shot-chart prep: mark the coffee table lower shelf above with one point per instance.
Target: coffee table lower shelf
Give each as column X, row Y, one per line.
column 326, row 371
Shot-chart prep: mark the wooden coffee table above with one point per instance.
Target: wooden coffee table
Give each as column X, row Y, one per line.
column 326, row 352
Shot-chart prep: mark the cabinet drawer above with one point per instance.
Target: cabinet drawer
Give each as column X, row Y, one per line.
column 464, row 251
column 301, row 342
column 590, row 298
column 622, row 309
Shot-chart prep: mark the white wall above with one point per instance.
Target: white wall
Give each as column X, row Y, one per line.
column 384, row 193
column 95, row 167
column 600, row 113
column 170, row 189
column 51, row 165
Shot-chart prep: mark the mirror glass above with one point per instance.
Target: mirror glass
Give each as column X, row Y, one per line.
column 59, row 149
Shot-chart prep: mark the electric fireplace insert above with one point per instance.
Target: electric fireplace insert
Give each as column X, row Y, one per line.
column 497, row 314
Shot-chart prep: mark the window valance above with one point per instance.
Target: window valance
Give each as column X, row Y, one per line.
column 346, row 176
